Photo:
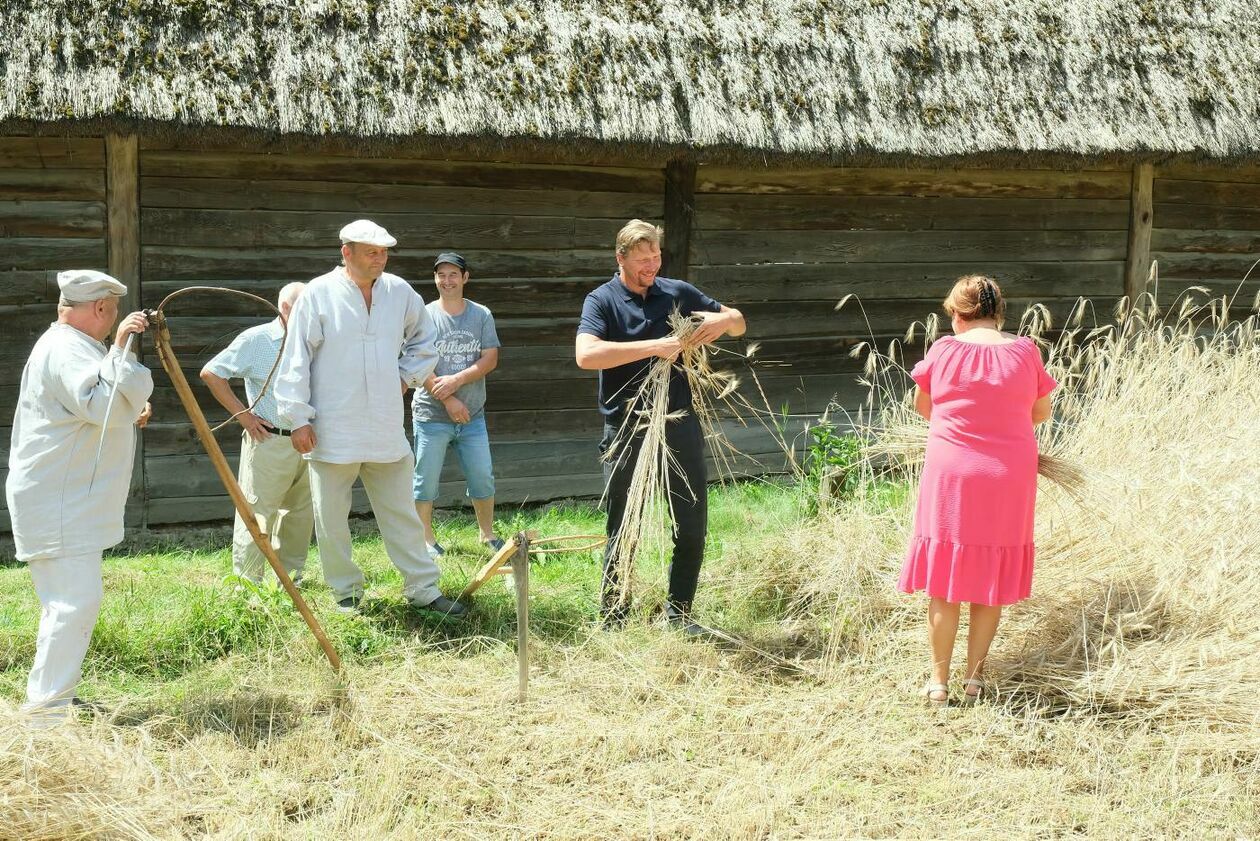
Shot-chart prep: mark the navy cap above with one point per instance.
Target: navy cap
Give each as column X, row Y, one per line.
column 452, row 258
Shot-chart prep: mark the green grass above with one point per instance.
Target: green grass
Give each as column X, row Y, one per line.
column 169, row 616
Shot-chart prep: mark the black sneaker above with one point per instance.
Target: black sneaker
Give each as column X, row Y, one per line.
column 444, row 606
column 678, row 617
column 350, row 604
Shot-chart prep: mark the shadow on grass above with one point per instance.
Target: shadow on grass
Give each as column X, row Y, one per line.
column 552, row 618
column 250, row 716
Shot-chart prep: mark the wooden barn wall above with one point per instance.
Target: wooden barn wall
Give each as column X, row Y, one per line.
column 52, row 216
column 786, row 246
column 782, row 245
column 1206, row 232
column 537, row 238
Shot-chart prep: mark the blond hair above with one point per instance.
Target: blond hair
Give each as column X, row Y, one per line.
column 976, row 296
column 636, row 231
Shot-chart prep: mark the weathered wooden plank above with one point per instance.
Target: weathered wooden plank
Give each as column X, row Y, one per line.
column 1191, row 265
column 401, row 171
column 177, row 437
column 1137, row 264
column 549, row 403
column 52, row 219
column 1242, row 297
column 507, row 296
column 218, row 508
column 173, row 263
column 30, row 289
column 1030, row 183
column 787, row 211
column 49, row 253
column 1237, row 173
column 414, row 147
column 432, row 231
column 1199, row 241
column 735, row 247
column 52, row 152
column 680, row 211
column 820, row 281
column 1207, row 217
column 1219, row 193
column 365, row 199
column 52, row 184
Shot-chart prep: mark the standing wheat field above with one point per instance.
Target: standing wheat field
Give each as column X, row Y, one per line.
column 1128, row 698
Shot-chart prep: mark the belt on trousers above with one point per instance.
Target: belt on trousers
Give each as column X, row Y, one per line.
column 285, row 432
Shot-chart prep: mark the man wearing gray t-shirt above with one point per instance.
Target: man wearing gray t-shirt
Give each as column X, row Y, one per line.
column 449, row 410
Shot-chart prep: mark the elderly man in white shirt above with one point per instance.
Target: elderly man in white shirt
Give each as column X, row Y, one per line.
column 65, row 507
column 271, row 473
column 358, row 339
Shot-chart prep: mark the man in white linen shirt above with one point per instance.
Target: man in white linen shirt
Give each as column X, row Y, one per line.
column 358, row 339
column 66, row 508
column 272, row 474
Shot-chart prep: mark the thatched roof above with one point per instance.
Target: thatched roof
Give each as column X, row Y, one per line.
column 810, row 77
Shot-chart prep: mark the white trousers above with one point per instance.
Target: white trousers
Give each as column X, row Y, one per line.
column 70, row 592
column 273, row 477
column 388, row 486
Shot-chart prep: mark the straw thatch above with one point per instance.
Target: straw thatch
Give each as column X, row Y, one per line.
column 813, row 77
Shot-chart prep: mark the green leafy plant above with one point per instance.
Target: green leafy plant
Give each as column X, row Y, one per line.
column 832, row 461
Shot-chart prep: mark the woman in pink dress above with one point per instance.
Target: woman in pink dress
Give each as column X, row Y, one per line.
column 982, row 392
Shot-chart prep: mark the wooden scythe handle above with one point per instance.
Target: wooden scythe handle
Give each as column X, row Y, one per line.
column 162, row 339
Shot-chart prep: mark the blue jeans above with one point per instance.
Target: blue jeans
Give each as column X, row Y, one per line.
column 472, row 448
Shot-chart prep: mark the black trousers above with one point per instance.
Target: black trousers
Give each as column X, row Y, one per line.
column 689, row 502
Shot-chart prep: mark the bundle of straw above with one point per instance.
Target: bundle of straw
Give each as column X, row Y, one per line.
column 642, row 437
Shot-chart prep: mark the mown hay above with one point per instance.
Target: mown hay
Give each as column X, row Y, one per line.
column 1146, row 596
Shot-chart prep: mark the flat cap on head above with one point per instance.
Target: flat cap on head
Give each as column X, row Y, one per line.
column 451, row 257
column 82, row 285
column 367, row 232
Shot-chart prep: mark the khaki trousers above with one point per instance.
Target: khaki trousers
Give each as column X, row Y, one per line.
column 388, row 486
column 274, row 478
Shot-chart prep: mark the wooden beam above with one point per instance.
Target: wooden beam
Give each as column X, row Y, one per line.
column 1137, row 265
column 122, row 244
column 680, row 210
column 122, row 201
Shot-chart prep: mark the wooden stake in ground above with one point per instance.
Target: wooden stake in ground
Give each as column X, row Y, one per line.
column 163, row 341
column 520, row 568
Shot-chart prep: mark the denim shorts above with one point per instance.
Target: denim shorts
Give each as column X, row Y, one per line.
column 472, row 447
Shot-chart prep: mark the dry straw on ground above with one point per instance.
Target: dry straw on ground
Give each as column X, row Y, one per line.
column 1129, row 683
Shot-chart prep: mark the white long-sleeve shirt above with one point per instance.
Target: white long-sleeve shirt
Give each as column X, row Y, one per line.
column 343, row 367
column 66, row 386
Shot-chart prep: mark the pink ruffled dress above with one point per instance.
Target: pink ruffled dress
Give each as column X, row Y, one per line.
column 973, row 526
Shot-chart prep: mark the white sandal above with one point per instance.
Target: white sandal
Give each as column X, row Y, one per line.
column 931, row 688
column 973, row 697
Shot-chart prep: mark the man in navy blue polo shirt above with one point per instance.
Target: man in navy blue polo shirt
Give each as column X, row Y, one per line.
column 624, row 326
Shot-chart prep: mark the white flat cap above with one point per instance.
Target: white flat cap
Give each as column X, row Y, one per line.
column 80, row 285
column 368, row 232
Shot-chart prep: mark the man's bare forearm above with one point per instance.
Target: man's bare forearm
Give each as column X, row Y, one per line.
column 222, row 391
column 597, row 354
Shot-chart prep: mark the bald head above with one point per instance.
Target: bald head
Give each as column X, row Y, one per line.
column 288, row 297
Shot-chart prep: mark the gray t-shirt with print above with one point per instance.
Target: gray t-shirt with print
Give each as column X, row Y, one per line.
column 460, row 341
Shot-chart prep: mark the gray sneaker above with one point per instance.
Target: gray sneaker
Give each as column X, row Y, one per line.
column 494, row 543
column 435, row 550
column 444, row 606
